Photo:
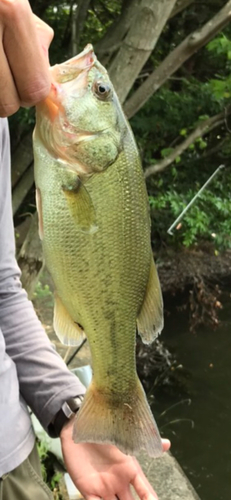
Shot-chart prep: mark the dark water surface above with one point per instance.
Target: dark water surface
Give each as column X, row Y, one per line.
column 202, row 442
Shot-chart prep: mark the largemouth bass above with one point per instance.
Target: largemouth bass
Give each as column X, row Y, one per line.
column 95, row 227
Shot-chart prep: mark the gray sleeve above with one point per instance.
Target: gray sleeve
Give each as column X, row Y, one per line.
column 44, row 380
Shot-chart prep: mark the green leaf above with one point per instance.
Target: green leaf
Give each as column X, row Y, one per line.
column 174, row 172
column 202, row 144
column 166, row 152
column 203, row 117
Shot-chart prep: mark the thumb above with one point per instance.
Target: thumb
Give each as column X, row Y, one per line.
column 45, row 34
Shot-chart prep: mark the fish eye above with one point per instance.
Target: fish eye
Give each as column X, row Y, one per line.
column 102, row 90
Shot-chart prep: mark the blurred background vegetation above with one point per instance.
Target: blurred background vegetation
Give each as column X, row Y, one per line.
column 197, row 91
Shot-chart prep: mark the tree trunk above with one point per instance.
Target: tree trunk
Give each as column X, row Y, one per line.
column 22, row 188
column 181, row 5
column 79, row 15
column 176, row 58
column 112, row 39
column 22, row 158
column 146, row 27
column 30, row 258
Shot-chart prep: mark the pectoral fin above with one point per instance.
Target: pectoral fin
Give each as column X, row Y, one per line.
column 68, row 332
column 80, row 204
column 150, row 319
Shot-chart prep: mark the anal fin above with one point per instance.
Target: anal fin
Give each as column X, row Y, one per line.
column 150, row 320
column 68, row 332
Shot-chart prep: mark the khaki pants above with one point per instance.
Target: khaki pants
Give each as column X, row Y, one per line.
column 25, row 482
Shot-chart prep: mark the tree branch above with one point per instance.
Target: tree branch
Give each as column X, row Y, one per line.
column 202, row 129
column 112, row 39
column 22, row 188
column 176, row 58
column 216, row 148
column 147, row 24
column 118, row 30
column 30, row 258
column 180, row 5
column 22, row 158
column 79, row 15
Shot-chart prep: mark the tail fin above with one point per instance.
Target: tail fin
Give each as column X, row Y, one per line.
column 126, row 422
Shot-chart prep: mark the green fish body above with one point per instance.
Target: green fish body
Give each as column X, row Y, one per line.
column 95, row 228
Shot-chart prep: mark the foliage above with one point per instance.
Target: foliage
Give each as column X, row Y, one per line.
column 207, row 220
column 170, row 115
column 43, row 452
column 49, row 474
column 220, row 86
column 163, row 123
column 42, row 291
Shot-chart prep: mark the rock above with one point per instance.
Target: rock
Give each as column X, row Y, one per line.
column 167, row 478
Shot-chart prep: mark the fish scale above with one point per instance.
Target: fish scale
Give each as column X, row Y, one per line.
column 96, row 241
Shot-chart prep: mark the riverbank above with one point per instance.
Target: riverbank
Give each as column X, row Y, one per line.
column 195, row 278
column 180, row 270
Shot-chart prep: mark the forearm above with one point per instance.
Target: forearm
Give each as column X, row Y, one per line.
column 44, row 380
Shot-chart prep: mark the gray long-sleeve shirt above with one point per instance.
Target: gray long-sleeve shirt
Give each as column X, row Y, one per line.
column 31, row 372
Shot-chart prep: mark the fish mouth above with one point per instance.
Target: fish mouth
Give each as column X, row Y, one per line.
column 70, row 76
column 71, row 80
column 74, row 78
column 69, row 70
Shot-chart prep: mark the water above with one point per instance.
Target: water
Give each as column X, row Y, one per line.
column 202, row 442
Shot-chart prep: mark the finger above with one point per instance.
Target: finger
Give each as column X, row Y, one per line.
column 143, row 488
column 9, row 100
column 126, row 494
column 45, row 34
column 25, row 55
column 111, row 497
column 92, row 497
column 166, row 444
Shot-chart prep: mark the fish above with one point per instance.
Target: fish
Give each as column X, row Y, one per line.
column 94, row 223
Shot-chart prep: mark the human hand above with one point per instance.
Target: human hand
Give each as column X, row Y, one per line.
column 24, row 64
column 103, row 471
